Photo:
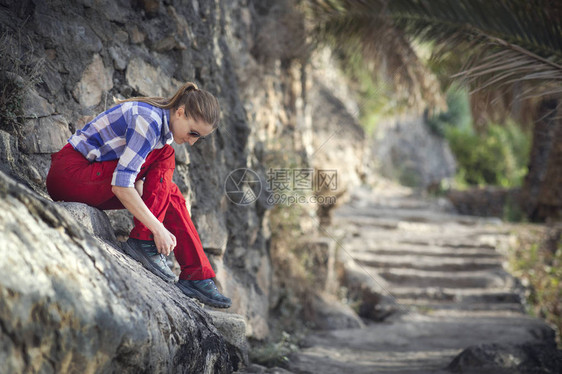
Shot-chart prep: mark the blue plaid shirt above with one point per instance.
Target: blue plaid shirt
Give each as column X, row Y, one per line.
column 128, row 132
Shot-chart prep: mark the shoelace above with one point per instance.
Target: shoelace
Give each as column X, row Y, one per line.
column 151, row 250
column 209, row 285
column 162, row 259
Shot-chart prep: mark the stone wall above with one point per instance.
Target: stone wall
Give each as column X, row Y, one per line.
column 93, row 51
column 487, row 202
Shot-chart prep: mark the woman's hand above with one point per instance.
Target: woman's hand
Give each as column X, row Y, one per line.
column 165, row 241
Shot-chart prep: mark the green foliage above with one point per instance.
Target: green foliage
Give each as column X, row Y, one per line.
column 377, row 97
column 512, row 211
column 408, row 177
column 491, row 45
column 496, row 157
column 541, row 270
column 457, row 115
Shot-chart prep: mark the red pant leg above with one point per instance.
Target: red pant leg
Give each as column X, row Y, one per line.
column 189, row 251
column 158, row 172
column 73, row 178
column 166, row 202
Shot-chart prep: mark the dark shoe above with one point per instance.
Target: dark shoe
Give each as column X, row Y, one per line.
column 205, row 291
column 146, row 253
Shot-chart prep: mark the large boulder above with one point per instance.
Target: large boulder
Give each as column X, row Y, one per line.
column 406, row 150
column 495, row 358
column 93, row 220
column 71, row 302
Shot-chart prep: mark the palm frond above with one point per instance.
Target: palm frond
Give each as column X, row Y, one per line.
column 361, row 27
column 512, row 41
column 496, row 45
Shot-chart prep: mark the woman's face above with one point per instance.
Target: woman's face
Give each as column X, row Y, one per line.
column 186, row 129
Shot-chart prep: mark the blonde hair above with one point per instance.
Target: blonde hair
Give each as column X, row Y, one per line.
column 199, row 104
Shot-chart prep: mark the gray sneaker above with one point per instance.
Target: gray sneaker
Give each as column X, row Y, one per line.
column 146, row 253
column 205, row 291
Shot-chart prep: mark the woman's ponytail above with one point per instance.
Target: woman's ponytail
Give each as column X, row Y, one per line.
column 199, row 104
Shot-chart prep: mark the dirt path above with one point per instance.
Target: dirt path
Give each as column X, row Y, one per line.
column 446, row 273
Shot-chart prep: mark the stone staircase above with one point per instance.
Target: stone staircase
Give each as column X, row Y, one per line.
column 446, row 274
column 432, row 260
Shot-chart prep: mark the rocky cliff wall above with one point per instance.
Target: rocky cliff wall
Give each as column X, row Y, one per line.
column 250, row 54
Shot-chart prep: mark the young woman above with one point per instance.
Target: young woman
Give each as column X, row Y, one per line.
column 123, row 159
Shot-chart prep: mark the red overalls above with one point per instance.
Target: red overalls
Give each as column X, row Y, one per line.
column 73, row 178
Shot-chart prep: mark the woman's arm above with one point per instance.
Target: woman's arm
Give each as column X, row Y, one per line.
column 130, row 198
column 139, row 186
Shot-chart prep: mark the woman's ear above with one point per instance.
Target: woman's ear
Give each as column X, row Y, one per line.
column 180, row 111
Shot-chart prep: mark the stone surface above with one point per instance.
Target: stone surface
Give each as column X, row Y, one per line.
column 8, row 149
column 443, row 300
column 28, row 168
column 149, row 80
column 119, row 58
column 414, row 343
column 182, row 154
column 212, row 231
column 406, row 150
column 330, row 314
column 46, row 134
column 319, row 255
column 508, row 359
column 135, row 34
column 39, row 163
column 71, row 303
column 258, row 369
column 96, row 80
column 233, row 329
column 264, row 96
column 91, row 219
column 121, row 221
column 486, row 202
column 367, row 289
column 249, row 301
column 35, row 106
column 335, row 125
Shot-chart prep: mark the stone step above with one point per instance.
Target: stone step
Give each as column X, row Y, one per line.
column 427, row 263
column 465, row 295
column 450, row 279
column 416, row 215
column 429, row 238
column 384, row 223
column 428, row 252
column 450, row 243
column 428, row 305
column 407, row 250
column 366, row 198
column 476, row 313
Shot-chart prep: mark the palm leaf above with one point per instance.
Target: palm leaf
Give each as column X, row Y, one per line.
column 503, row 42
column 357, row 27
